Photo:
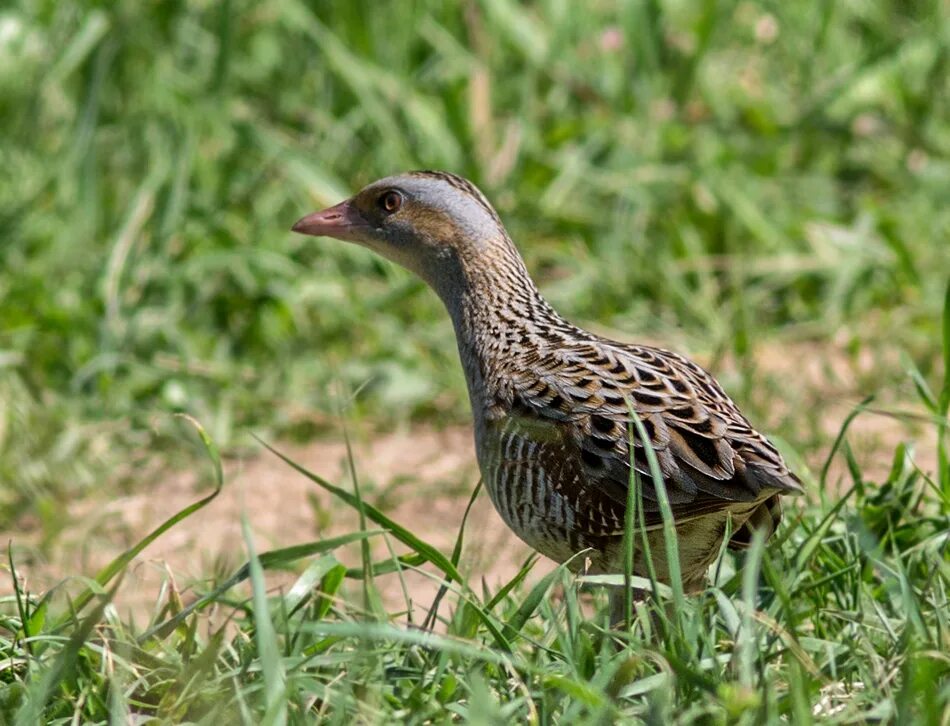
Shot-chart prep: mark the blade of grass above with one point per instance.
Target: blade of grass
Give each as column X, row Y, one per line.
column 855, row 412
column 371, row 602
column 513, row 582
column 943, row 459
column 272, row 667
column 669, row 527
column 517, row 621
column 634, row 503
column 745, row 647
column 402, row 534
column 21, row 606
column 808, row 548
column 429, row 621
column 385, row 567
column 300, row 591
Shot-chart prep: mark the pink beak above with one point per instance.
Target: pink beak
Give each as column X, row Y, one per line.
column 338, row 221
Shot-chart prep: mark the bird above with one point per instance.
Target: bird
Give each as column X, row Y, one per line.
column 553, row 405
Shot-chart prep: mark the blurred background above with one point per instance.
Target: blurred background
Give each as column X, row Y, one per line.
column 760, row 185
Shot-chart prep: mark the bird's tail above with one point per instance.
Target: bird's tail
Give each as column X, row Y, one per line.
column 767, row 517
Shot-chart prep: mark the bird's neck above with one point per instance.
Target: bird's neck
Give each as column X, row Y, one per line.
column 499, row 315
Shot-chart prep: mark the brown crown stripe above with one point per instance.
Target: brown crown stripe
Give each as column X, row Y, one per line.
column 463, row 185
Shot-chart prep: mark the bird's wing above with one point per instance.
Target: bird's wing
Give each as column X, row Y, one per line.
column 708, row 454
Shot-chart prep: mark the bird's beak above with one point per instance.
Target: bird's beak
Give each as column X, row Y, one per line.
column 341, row 221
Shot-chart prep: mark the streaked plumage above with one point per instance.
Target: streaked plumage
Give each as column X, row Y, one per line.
column 551, row 402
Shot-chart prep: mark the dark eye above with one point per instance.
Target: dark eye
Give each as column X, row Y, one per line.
column 390, row 201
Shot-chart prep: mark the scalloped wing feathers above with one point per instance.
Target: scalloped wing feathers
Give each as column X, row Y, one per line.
column 709, row 455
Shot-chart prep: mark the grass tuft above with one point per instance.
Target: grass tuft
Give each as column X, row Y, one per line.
column 844, row 617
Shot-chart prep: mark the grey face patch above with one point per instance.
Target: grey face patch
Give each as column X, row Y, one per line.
column 445, row 231
column 465, row 186
column 458, row 213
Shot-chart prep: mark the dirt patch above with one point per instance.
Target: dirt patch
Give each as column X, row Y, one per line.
column 421, row 477
column 810, row 390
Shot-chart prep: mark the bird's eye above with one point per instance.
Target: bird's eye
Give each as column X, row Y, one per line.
column 390, row 201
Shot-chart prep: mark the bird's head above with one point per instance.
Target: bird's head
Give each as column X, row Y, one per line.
column 433, row 223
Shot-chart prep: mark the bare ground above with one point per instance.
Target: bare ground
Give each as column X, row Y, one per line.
column 423, row 478
column 420, row 476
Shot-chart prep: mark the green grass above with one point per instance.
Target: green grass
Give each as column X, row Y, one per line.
column 846, row 619
column 726, row 177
